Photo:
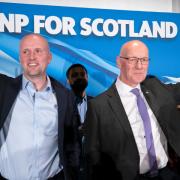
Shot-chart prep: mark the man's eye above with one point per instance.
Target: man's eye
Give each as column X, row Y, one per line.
column 82, row 74
column 74, row 75
column 25, row 51
column 145, row 59
column 132, row 59
column 38, row 51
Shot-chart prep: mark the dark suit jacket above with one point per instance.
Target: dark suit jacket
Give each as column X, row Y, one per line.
column 67, row 131
column 110, row 145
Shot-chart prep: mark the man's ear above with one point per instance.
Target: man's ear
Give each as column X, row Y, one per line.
column 68, row 81
column 50, row 57
column 86, row 76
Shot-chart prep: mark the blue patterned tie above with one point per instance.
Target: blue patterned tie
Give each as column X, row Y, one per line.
column 148, row 131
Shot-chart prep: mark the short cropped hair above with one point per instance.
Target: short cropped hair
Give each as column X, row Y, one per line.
column 74, row 66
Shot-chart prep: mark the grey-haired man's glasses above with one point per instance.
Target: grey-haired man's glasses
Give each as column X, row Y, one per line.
column 135, row 60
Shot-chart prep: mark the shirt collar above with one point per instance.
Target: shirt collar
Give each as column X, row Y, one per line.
column 81, row 100
column 85, row 98
column 26, row 83
column 123, row 88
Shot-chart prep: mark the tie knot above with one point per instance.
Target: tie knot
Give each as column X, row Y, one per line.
column 79, row 100
column 135, row 91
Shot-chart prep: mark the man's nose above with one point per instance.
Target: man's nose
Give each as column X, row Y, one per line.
column 32, row 55
column 79, row 76
column 79, row 79
column 139, row 64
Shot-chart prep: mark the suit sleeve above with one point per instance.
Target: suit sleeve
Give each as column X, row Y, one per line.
column 71, row 143
column 175, row 90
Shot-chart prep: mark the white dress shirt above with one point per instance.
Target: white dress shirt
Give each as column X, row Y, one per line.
column 129, row 102
column 82, row 108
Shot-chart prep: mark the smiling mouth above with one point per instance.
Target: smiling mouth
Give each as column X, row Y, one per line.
column 139, row 73
column 32, row 64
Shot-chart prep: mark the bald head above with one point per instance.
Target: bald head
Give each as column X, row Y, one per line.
column 34, row 37
column 133, row 62
column 135, row 46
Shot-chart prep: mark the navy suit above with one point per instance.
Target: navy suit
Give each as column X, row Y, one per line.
column 67, row 124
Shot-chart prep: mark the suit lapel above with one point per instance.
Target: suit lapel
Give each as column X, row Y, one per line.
column 151, row 99
column 118, row 109
column 61, row 109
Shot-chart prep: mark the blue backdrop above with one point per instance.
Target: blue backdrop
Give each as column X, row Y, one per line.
column 105, row 32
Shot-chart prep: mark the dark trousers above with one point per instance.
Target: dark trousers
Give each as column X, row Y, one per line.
column 163, row 174
column 83, row 165
column 59, row 176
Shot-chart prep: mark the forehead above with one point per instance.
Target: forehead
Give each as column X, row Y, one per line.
column 33, row 42
column 135, row 50
column 77, row 69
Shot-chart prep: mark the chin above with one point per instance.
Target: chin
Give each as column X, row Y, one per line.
column 139, row 80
